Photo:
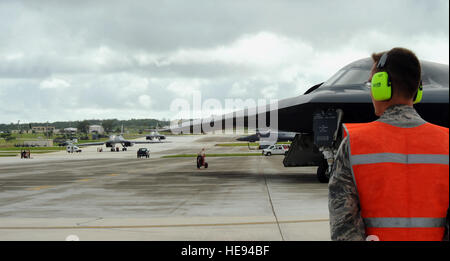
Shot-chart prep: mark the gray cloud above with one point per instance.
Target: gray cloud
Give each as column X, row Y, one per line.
column 170, row 25
column 85, row 59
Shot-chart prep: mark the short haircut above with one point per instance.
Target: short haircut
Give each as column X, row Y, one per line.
column 404, row 71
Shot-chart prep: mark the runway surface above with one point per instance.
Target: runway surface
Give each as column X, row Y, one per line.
column 114, row 196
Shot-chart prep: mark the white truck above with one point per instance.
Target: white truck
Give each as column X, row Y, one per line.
column 277, row 149
column 72, row 149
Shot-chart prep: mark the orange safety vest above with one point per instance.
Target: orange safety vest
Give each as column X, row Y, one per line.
column 402, row 179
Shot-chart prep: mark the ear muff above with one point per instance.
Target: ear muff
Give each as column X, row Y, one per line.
column 419, row 93
column 381, row 86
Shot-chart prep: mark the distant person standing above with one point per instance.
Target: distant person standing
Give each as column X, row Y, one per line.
column 201, row 159
column 390, row 178
column 202, row 153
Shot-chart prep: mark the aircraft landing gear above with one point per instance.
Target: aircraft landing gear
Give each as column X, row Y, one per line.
column 201, row 162
column 322, row 174
column 124, row 149
column 325, row 167
column 326, row 126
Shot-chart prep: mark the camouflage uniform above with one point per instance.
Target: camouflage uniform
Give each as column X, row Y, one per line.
column 346, row 222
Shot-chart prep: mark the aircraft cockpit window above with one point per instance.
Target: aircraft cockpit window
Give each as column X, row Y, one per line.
column 350, row 76
column 354, row 76
column 435, row 76
column 334, row 78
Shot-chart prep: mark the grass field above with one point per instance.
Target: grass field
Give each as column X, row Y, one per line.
column 8, row 155
column 15, row 151
column 32, row 148
column 213, row 155
column 244, row 144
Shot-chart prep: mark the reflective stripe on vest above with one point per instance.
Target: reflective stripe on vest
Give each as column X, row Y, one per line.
column 399, row 158
column 401, row 176
column 404, row 222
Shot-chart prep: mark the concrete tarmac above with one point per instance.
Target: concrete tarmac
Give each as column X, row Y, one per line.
column 114, row 196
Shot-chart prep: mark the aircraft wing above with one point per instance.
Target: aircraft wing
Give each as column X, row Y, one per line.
column 148, row 141
column 345, row 91
column 90, row 144
column 155, row 136
column 165, row 128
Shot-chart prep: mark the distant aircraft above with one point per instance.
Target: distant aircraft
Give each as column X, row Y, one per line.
column 116, row 139
column 318, row 114
column 260, row 135
column 154, row 135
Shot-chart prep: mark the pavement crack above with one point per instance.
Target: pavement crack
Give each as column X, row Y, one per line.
column 273, row 209
column 89, row 221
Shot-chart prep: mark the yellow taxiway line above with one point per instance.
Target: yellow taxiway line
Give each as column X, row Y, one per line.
column 175, row 225
column 83, row 180
column 39, row 188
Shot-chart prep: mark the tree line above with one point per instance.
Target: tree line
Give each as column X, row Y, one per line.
column 110, row 125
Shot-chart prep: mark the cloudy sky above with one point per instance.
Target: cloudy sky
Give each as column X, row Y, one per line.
column 75, row 60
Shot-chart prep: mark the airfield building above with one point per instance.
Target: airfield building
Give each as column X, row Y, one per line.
column 96, row 129
column 70, row 130
column 43, row 129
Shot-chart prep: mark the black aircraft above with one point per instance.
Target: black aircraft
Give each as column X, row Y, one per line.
column 154, row 135
column 317, row 115
column 113, row 140
column 260, row 135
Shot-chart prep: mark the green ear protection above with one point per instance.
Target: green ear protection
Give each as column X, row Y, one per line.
column 381, row 86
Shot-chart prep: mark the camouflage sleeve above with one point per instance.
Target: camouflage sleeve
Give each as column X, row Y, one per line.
column 346, row 222
column 446, row 226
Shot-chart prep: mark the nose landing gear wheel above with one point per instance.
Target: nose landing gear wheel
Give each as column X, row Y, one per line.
column 321, row 172
column 201, row 162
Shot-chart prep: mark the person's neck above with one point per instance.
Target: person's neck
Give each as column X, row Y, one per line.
column 396, row 101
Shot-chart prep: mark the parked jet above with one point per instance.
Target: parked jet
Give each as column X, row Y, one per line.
column 114, row 140
column 260, row 135
column 317, row 115
column 154, row 135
